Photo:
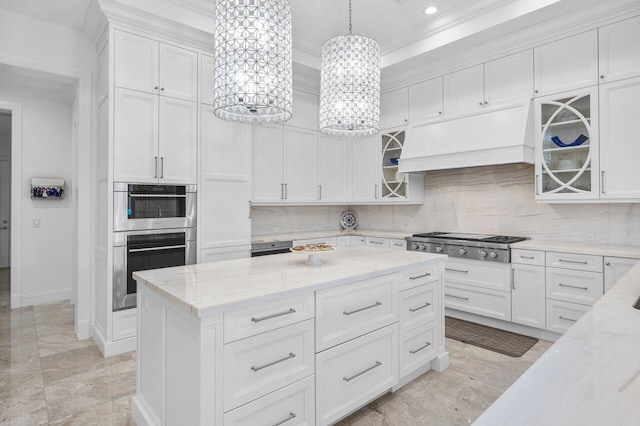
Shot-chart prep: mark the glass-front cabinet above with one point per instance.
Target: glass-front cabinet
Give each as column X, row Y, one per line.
column 393, row 183
column 567, row 146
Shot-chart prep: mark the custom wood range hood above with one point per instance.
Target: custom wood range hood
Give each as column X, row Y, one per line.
column 500, row 136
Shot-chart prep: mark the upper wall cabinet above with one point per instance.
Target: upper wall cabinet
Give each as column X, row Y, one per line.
column 425, row 101
column 153, row 67
column 619, row 52
column 304, row 113
column 508, row 80
column 333, row 181
column 464, row 91
column 365, row 169
column 394, row 108
column 206, row 79
column 567, row 64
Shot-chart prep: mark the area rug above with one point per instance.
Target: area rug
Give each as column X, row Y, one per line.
column 504, row 342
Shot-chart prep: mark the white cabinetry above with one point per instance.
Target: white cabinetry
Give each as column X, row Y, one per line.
column 365, row 169
column 376, row 242
column 619, row 151
column 528, row 300
column 333, row 166
column 300, row 165
column 207, row 73
column 463, row 91
column 267, row 164
column 394, row 108
column 615, row 268
column 551, row 69
column 177, row 141
column 153, row 67
column 425, row 101
column 508, row 80
column 619, row 54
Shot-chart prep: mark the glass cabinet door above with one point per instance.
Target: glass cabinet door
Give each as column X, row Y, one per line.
column 566, row 163
column 394, row 183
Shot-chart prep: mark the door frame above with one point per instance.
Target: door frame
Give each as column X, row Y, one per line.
column 85, row 95
column 8, row 158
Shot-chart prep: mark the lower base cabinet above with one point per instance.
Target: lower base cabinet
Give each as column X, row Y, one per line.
column 418, row 347
column 353, row 373
column 562, row 315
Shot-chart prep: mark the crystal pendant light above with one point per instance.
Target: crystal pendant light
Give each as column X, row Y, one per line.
column 252, row 60
column 350, row 85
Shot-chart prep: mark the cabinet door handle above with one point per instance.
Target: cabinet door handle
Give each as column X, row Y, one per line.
column 286, row 191
column 291, row 415
column 456, row 270
column 155, row 87
column 375, row 191
column 485, row 102
column 573, row 286
column 580, row 262
column 527, row 257
column 456, row 297
column 161, row 167
column 375, row 242
column 319, row 192
column 290, row 311
column 426, row 305
column 278, row 361
column 162, row 89
column 348, row 379
column 608, row 263
column 537, row 191
column 415, row 351
column 249, row 209
column 155, row 174
column 567, row 319
column 481, row 103
column 428, row 274
column 362, row 309
column 282, row 191
column 513, row 278
column 602, row 182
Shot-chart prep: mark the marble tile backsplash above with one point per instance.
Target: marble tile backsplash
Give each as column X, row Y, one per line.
column 493, row 199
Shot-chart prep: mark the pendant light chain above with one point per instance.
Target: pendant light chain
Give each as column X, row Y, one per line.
column 350, row 28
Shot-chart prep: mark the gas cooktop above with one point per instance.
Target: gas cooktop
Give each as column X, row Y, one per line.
column 502, row 239
column 471, row 246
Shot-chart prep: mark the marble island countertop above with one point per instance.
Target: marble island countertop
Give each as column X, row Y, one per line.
column 590, row 376
column 208, row 288
column 597, row 249
column 271, row 238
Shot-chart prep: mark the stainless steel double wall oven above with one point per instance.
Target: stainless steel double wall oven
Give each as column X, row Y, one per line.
column 154, row 227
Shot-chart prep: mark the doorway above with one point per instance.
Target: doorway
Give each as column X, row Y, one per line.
column 5, row 208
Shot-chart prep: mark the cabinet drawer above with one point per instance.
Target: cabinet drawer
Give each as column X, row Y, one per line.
column 490, row 303
column 562, row 315
column 349, row 311
column 528, row 257
column 418, row 306
column 478, row 273
column 332, row 241
column 268, row 316
column 353, row 373
column 376, row 242
column 574, row 286
column 418, row 276
column 261, row 364
column 581, row 262
column 292, row 405
column 398, row 244
column 356, row 240
column 418, row 348
column 344, row 240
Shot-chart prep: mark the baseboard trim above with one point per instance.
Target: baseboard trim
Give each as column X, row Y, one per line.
column 45, row 297
column 83, row 330
column 113, row 348
column 141, row 412
column 99, row 338
column 504, row 325
column 15, row 301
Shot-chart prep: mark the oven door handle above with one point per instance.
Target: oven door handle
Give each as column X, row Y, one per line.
column 157, row 196
column 157, row 248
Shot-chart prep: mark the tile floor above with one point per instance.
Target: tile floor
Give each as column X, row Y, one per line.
column 47, row 377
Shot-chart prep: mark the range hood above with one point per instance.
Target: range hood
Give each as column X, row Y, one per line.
column 500, row 136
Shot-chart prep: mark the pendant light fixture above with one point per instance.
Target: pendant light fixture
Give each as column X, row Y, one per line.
column 350, row 85
column 252, row 61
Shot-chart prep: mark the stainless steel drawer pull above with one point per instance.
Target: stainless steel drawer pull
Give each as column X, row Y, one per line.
column 157, row 196
column 348, row 379
column 567, row 319
column 156, row 248
column 456, row 270
column 291, row 355
column 362, row 309
column 456, row 297
column 291, row 415
column 426, row 305
column 573, row 286
column 375, row 242
column 527, row 257
column 428, row 274
column 290, row 311
column 581, row 262
column 415, row 351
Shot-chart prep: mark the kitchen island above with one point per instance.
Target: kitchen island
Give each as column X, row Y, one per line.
column 271, row 339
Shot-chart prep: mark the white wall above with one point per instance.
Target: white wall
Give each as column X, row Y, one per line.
column 47, row 252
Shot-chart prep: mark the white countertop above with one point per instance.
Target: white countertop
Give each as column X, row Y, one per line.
column 257, row 239
column 590, row 376
column 580, row 248
column 207, row 288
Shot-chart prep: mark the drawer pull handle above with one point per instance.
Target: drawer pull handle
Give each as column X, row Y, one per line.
column 456, row 270
column 291, row 415
column 362, row 309
column 428, row 274
column 291, row 355
column 348, row 379
column 527, row 257
column 426, row 305
column 290, row 311
column 573, row 286
column 457, row 297
column 580, row 262
column 567, row 319
column 375, row 242
column 415, row 351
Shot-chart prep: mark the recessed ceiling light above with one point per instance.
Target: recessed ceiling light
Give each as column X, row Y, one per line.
column 430, row 10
